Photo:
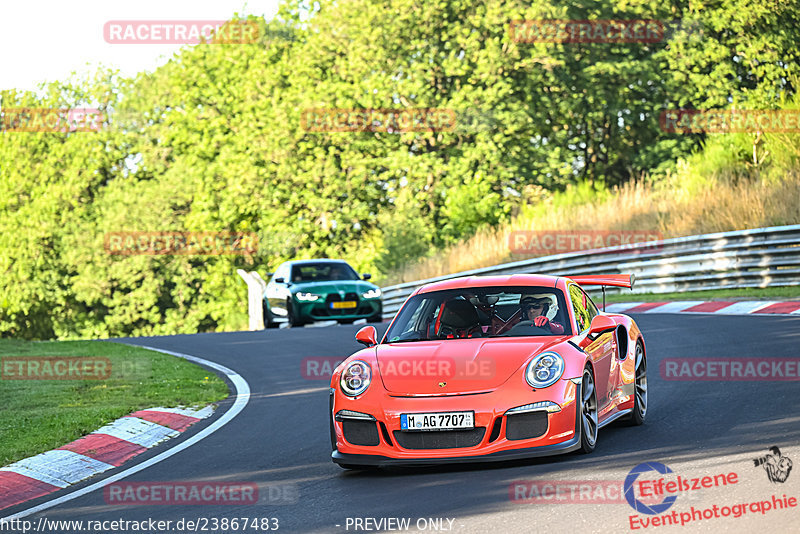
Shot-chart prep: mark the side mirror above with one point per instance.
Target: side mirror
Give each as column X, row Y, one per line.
column 600, row 324
column 270, row 274
column 367, row 336
column 279, row 280
column 366, row 276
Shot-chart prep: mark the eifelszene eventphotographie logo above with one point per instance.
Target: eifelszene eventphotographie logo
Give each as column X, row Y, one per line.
column 775, row 464
column 630, row 496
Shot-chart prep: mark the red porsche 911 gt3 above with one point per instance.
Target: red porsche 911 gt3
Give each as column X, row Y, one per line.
column 489, row 369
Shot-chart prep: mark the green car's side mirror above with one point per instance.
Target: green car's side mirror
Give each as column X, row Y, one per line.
column 366, row 276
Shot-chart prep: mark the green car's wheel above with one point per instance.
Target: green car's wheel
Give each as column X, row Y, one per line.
column 268, row 322
column 293, row 321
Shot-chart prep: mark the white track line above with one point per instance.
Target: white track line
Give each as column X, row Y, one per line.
column 242, row 398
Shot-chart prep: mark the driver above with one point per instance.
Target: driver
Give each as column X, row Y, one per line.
column 536, row 307
column 336, row 274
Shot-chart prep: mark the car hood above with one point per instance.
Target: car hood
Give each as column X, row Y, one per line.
column 335, row 286
column 464, row 365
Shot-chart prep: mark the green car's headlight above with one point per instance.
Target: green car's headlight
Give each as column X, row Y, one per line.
column 544, row 370
column 307, row 297
column 372, row 294
column 355, row 378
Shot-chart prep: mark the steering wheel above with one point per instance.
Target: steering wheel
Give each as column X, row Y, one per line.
column 524, row 325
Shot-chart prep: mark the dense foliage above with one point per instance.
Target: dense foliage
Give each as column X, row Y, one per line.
column 215, row 141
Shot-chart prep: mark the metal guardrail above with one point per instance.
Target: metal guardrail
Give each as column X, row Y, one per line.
column 759, row 257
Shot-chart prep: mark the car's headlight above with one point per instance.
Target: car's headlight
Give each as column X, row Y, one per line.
column 307, row 297
column 544, row 370
column 355, row 378
column 372, row 294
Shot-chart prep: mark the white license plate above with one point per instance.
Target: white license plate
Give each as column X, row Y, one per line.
column 437, row 421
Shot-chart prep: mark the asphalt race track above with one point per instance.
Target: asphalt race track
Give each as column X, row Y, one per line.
column 280, row 440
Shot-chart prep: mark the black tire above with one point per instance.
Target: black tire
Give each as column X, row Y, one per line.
column 588, row 406
column 293, row 322
column 333, row 432
column 639, row 413
column 268, row 322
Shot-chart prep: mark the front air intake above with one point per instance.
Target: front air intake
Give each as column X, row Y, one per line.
column 360, row 432
column 440, row 439
column 527, row 425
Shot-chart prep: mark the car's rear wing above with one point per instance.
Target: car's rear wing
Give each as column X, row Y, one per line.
column 616, row 280
column 604, row 280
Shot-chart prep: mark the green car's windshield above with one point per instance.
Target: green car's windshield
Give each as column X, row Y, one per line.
column 322, row 272
column 482, row 312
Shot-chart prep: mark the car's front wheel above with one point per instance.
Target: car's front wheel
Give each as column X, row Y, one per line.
column 640, row 387
column 268, row 322
column 290, row 315
column 588, row 408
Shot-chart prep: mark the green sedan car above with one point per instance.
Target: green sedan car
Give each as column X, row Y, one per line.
column 301, row 292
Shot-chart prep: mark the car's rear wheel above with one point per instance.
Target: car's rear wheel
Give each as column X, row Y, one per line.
column 588, row 412
column 640, row 387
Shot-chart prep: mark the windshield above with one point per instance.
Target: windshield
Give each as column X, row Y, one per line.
column 322, row 272
column 482, row 312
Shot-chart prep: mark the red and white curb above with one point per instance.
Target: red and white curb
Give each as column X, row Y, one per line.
column 240, row 396
column 770, row 307
column 103, row 449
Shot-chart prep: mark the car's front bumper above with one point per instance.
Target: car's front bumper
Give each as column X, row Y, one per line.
column 321, row 311
column 562, row 433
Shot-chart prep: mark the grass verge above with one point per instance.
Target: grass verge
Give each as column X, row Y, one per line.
column 39, row 415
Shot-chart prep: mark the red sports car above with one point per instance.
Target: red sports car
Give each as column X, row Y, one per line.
column 489, row 369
